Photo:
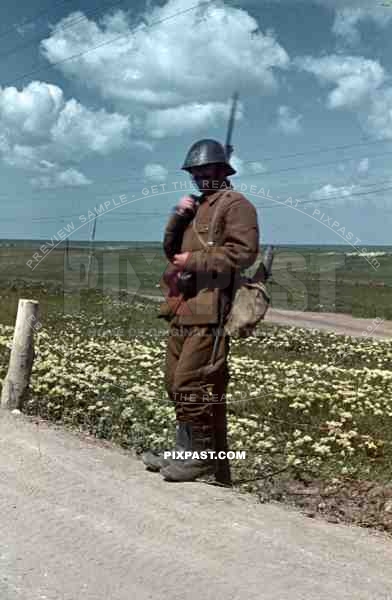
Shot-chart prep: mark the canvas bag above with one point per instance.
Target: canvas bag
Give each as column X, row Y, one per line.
column 249, row 306
column 250, row 303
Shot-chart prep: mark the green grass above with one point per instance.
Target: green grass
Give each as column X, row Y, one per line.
column 302, row 278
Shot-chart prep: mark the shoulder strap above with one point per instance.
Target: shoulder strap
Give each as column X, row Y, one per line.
column 218, row 204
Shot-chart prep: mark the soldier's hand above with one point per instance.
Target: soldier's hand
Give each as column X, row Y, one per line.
column 170, row 278
column 180, row 260
column 186, row 203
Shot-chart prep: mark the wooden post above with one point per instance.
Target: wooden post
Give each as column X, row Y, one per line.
column 16, row 384
column 67, row 263
column 90, row 256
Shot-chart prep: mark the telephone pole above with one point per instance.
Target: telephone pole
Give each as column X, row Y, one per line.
column 90, row 256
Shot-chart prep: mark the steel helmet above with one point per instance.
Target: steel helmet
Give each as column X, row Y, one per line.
column 207, row 152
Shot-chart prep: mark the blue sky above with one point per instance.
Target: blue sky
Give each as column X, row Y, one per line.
column 103, row 99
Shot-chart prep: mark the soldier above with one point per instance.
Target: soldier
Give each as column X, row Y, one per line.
column 199, row 286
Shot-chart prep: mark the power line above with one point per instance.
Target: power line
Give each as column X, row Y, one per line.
column 320, row 150
column 112, row 193
column 107, row 42
column 33, row 19
column 325, row 149
column 307, row 201
column 69, row 25
column 278, row 157
column 322, row 164
column 178, row 171
column 142, row 213
column 261, row 174
column 135, row 180
column 319, row 200
column 317, row 182
column 148, row 181
column 155, row 214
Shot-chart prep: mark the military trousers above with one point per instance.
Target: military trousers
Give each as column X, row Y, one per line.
column 198, row 389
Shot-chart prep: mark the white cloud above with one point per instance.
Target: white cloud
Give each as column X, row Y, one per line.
column 24, row 28
column 28, row 115
column 345, row 25
column 378, row 117
column 201, row 53
column 187, row 118
column 363, row 166
column 359, row 85
column 39, row 129
column 45, row 165
column 354, row 195
column 238, row 164
column 68, row 178
column 79, row 129
column 256, row 167
column 364, row 4
column 333, row 191
column 155, row 171
column 347, row 20
column 287, row 121
column 246, row 168
column 355, row 78
column 148, row 146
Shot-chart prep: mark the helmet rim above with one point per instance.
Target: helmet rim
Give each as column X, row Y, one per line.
column 206, row 152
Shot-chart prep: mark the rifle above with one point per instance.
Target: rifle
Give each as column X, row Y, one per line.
column 223, row 474
column 228, row 147
column 264, row 269
column 228, row 151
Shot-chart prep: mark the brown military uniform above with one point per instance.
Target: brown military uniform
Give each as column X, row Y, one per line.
column 199, row 395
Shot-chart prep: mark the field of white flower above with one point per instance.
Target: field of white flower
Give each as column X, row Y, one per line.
column 315, row 402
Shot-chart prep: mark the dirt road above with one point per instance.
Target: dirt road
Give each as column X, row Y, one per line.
column 341, row 324
column 79, row 521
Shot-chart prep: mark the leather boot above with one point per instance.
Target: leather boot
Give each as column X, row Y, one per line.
column 189, row 469
column 154, row 461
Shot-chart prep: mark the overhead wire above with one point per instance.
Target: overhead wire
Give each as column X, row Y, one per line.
column 64, row 27
column 157, row 214
column 260, row 174
column 263, row 174
column 337, row 197
column 135, row 180
column 326, row 149
column 277, row 157
column 106, row 42
column 362, row 184
column 33, row 19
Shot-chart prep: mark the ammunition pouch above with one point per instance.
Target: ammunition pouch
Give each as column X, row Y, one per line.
column 189, row 283
column 186, row 284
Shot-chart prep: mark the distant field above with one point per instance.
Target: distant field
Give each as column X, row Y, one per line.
column 326, row 279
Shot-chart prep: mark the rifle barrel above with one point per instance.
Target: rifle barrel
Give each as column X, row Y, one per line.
column 228, row 147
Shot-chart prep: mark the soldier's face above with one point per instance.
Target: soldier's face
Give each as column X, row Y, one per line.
column 208, row 178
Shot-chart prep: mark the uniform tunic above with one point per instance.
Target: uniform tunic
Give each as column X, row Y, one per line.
column 232, row 219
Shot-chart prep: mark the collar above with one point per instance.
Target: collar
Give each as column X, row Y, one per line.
column 214, row 197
